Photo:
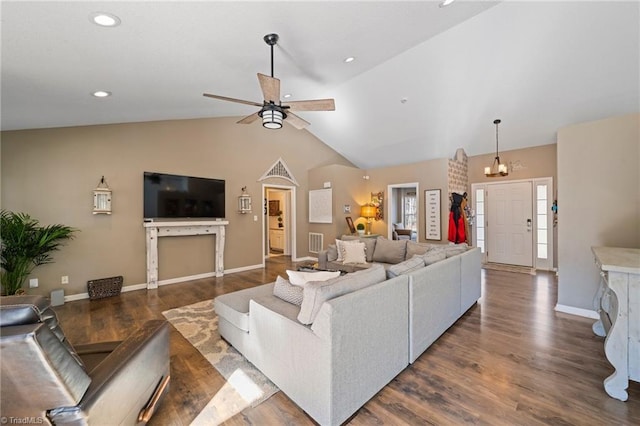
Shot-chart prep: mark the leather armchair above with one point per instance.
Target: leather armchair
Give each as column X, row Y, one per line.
column 46, row 379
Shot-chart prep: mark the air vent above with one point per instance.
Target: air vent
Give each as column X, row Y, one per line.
column 316, row 242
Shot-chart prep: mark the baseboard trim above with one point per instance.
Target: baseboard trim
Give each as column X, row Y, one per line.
column 586, row 313
column 134, row 287
column 304, row 259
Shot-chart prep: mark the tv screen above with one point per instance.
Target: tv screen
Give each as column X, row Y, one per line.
column 174, row 196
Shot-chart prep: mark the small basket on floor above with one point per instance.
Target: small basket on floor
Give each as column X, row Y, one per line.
column 104, row 287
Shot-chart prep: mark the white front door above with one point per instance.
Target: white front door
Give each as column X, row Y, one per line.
column 509, row 223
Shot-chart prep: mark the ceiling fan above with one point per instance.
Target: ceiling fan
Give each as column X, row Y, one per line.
column 273, row 111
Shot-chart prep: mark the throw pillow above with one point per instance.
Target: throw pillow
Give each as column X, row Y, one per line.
column 417, row 248
column 316, row 293
column 389, row 251
column 301, row 278
column 433, row 256
column 332, row 253
column 369, row 247
column 354, row 253
column 456, row 249
column 405, row 267
column 340, row 245
column 289, row 293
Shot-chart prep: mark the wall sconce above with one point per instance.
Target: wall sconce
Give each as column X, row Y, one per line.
column 368, row 211
column 102, row 198
column 244, row 202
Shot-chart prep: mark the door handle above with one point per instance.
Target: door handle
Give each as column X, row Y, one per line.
column 528, row 225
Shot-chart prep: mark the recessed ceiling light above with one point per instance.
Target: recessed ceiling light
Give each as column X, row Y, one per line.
column 446, row 3
column 104, row 19
column 101, row 94
column 349, row 59
column 287, row 96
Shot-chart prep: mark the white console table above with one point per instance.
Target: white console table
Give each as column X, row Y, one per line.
column 156, row 230
column 618, row 303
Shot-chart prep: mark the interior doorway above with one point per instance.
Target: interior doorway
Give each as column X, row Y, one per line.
column 402, row 208
column 279, row 221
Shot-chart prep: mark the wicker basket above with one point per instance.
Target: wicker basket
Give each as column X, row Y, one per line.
column 104, row 287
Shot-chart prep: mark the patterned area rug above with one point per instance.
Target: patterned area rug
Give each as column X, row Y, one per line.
column 246, row 386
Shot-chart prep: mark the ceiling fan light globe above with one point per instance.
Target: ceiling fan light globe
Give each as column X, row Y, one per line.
column 272, row 119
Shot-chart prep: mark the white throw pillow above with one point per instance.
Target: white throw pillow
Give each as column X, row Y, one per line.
column 340, row 245
column 354, row 253
column 301, row 278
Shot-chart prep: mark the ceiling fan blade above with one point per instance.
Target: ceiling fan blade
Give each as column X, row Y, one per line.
column 296, row 121
column 239, row 101
column 270, row 88
column 249, row 118
column 311, row 105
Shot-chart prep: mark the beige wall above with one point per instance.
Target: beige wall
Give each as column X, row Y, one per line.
column 598, row 200
column 50, row 174
column 527, row 163
column 431, row 174
column 348, row 188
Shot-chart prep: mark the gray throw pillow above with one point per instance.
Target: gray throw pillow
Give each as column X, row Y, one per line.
column 318, row 292
column 332, row 253
column 456, row 250
column 288, row 292
column 389, row 251
column 417, row 248
column 369, row 247
column 405, row 267
column 433, row 256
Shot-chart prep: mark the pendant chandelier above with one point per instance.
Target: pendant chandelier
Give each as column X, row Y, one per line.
column 497, row 168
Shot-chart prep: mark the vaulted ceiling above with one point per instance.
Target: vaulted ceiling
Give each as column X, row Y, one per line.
column 425, row 81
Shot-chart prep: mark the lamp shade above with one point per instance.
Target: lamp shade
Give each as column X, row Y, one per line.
column 368, row 211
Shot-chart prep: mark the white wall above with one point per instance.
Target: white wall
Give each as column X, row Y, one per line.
column 598, row 201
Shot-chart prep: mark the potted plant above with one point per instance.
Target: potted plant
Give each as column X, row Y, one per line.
column 360, row 228
column 25, row 245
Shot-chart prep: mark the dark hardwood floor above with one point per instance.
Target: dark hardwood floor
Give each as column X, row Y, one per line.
column 510, row 360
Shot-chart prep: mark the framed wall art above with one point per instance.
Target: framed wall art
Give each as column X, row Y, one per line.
column 432, row 214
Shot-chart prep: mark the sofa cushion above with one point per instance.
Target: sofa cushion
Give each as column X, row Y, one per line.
column 234, row 307
column 369, row 247
column 317, row 292
column 332, row 253
column 414, row 248
column 286, row 291
column 433, row 256
column 300, row 278
column 389, row 251
column 456, row 249
column 354, row 253
column 405, row 267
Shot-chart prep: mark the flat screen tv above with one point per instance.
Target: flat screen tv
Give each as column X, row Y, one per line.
column 178, row 197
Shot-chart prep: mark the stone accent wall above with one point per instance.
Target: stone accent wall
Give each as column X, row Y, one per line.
column 458, row 172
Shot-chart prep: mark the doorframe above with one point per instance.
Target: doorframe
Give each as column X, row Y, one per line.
column 289, row 221
column 548, row 264
column 390, row 200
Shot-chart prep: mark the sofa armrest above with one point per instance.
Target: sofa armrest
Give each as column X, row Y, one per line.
column 323, row 258
column 124, row 383
column 470, row 280
column 366, row 331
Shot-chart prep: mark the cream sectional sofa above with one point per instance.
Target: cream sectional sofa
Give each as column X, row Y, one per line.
column 351, row 335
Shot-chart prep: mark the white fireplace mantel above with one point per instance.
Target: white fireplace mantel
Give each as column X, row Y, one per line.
column 156, row 230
